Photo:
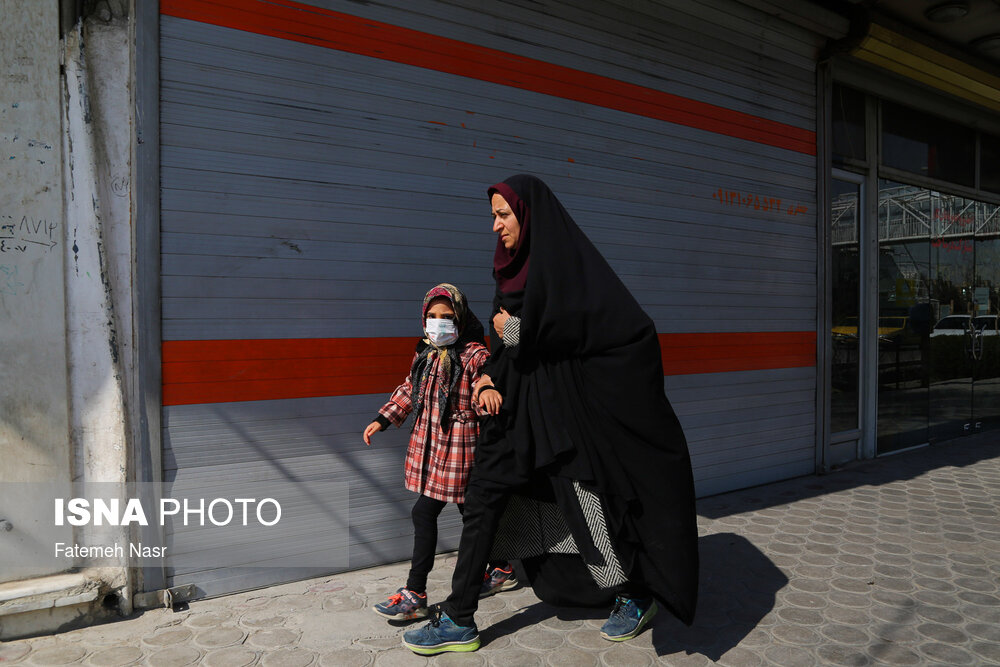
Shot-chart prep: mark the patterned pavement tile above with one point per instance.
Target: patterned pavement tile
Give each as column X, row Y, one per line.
column 894, row 561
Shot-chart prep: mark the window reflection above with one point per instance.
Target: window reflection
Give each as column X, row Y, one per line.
column 939, row 298
column 904, row 315
column 846, row 284
column 938, row 282
column 928, row 145
column 989, row 163
column 848, row 121
column 986, row 297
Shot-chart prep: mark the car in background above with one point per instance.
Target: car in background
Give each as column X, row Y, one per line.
column 953, row 325
column 987, row 324
column 889, row 327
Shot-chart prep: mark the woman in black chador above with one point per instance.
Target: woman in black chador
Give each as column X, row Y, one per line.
column 582, row 471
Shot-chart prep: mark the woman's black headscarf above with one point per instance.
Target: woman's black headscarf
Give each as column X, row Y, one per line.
column 470, row 329
column 584, row 399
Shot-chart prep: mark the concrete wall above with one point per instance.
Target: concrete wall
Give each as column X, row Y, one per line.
column 97, row 139
column 65, row 303
column 34, row 415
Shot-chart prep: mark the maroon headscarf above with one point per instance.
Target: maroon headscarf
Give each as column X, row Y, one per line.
column 510, row 267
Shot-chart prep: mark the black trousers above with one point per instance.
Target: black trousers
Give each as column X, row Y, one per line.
column 485, row 503
column 425, row 514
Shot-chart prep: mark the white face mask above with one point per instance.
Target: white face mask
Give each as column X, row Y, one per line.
column 441, row 331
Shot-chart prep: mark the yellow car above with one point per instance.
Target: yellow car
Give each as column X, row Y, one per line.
column 888, row 326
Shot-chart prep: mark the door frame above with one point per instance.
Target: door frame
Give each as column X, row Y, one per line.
column 857, row 436
column 147, row 466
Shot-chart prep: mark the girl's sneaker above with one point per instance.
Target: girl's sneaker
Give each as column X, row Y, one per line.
column 498, row 579
column 403, row 605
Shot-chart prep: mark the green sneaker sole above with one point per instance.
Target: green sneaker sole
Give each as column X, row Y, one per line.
column 456, row 647
column 642, row 623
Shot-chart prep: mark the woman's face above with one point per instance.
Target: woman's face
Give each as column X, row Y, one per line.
column 504, row 222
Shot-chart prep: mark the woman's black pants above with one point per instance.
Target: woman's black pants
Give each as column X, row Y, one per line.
column 485, row 503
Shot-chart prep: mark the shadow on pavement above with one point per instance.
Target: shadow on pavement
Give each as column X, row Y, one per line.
column 737, row 588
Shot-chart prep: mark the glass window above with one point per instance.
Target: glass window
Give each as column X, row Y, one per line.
column 956, row 322
column 848, row 123
column 985, row 322
column 905, row 315
column 985, row 347
column 927, row 145
column 989, row 164
column 846, row 286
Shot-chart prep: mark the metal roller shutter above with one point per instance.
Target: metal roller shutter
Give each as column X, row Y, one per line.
column 314, row 186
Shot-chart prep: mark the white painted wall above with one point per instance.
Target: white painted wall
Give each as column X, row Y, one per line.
column 98, row 259
column 34, row 416
column 65, row 290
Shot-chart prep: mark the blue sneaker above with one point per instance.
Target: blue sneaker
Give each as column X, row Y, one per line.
column 497, row 580
column 441, row 635
column 628, row 618
column 403, row 605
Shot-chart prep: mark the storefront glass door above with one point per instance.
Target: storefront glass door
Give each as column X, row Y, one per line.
column 953, row 252
column 845, row 292
column 986, row 339
column 904, row 316
column 938, row 338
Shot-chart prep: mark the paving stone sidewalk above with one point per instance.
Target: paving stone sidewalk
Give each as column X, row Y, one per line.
column 894, row 561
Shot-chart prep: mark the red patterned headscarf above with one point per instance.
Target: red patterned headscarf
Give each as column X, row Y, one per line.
column 469, row 329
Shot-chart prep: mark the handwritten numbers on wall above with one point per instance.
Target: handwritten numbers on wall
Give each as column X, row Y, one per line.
column 23, row 238
column 27, row 234
column 756, row 202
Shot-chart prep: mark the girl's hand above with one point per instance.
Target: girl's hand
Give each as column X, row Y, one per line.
column 490, row 400
column 499, row 320
column 371, row 430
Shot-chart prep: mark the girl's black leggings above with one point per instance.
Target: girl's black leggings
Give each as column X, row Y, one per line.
column 425, row 514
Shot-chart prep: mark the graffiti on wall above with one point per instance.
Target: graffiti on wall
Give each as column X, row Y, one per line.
column 27, row 234
column 23, row 237
column 756, row 201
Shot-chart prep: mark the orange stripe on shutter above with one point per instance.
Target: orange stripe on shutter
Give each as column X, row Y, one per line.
column 344, row 32
column 222, row 371
column 685, row 354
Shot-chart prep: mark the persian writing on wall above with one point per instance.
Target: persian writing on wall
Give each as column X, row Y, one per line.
column 22, row 238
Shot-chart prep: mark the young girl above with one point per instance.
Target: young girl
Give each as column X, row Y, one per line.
column 439, row 391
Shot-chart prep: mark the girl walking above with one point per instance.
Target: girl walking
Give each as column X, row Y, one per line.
column 439, row 393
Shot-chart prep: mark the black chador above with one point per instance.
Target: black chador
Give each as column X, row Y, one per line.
column 586, row 456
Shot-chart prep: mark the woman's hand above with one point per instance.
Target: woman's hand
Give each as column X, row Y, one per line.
column 483, row 381
column 371, row 430
column 490, row 400
column 499, row 320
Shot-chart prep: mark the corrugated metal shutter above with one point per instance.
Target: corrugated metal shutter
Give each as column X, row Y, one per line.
column 311, row 193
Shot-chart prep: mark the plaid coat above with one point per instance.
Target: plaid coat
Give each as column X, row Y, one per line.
column 438, row 461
